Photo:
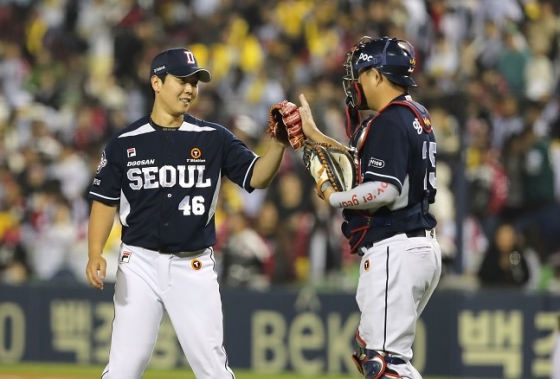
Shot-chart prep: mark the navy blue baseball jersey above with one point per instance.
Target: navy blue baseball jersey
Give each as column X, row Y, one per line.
column 399, row 148
column 166, row 181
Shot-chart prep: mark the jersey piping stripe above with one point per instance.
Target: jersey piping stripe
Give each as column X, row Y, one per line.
column 104, row 197
column 188, row 127
column 386, row 301
column 185, row 127
column 146, row 128
column 226, row 363
column 214, row 203
column 226, row 366
column 248, row 171
column 383, row 176
column 124, row 209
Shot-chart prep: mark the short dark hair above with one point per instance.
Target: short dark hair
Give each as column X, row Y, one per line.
column 162, row 76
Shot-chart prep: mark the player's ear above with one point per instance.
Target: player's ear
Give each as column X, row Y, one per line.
column 156, row 83
column 376, row 76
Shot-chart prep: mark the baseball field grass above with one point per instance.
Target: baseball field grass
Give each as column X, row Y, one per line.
column 73, row 371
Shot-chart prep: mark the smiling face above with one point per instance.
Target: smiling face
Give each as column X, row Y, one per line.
column 174, row 95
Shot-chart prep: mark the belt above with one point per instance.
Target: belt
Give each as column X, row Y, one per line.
column 421, row 232
column 183, row 254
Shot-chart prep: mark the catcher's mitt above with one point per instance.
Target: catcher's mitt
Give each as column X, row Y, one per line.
column 331, row 164
column 284, row 124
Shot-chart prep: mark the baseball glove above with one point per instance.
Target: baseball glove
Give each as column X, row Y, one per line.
column 284, row 124
column 329, row 165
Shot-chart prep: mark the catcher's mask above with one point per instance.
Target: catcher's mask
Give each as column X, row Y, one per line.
column 392, row 57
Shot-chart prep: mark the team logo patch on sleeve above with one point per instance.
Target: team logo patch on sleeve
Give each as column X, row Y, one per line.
column 102, row 162
column 125, row 257
column 131, row 152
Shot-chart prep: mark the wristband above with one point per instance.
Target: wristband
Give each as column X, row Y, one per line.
column 326, row 184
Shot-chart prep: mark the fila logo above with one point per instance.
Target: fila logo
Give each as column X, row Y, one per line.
column 131, row 152
column 190, row 57
column 125, row 256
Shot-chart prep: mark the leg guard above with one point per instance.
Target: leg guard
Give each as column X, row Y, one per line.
column 372, row 364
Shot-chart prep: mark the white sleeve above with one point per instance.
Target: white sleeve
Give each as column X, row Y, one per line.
column 368, row 195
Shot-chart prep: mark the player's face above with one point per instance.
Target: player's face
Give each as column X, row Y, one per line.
column 177, row 94
column 369, row 79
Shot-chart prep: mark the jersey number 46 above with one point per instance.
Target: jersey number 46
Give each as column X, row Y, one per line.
column 196, row 207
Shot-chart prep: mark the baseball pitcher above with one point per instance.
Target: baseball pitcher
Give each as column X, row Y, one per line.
column 162, row 174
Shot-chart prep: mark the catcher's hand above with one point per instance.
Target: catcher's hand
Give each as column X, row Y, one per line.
column 329, row 165
column 284, row 124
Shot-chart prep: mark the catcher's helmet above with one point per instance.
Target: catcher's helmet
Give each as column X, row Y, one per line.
column 392, row 57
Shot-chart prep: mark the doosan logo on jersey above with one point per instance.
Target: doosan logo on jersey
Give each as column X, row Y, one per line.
column 168, row 176
column 141, row 163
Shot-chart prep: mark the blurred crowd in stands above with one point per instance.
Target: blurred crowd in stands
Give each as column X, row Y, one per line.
column 72, row 72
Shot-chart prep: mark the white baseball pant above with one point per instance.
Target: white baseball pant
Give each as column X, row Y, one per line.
column 187, row 288
column 397, row 278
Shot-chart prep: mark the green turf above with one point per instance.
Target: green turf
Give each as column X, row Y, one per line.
column 45, row 370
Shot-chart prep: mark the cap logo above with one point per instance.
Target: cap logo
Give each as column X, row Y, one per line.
column 190, row 57
column 158, row 69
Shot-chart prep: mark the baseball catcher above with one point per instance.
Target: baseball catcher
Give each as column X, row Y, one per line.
column 330, row 166
column 284, row 124
column 386, row 214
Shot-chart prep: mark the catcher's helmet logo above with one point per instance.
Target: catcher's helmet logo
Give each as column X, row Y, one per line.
column 365, row 57
column 196, row 264
column 102, row 162
column 196, row 153
column 366, row 265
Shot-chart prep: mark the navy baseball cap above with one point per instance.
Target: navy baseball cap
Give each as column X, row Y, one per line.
column 178, row 62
